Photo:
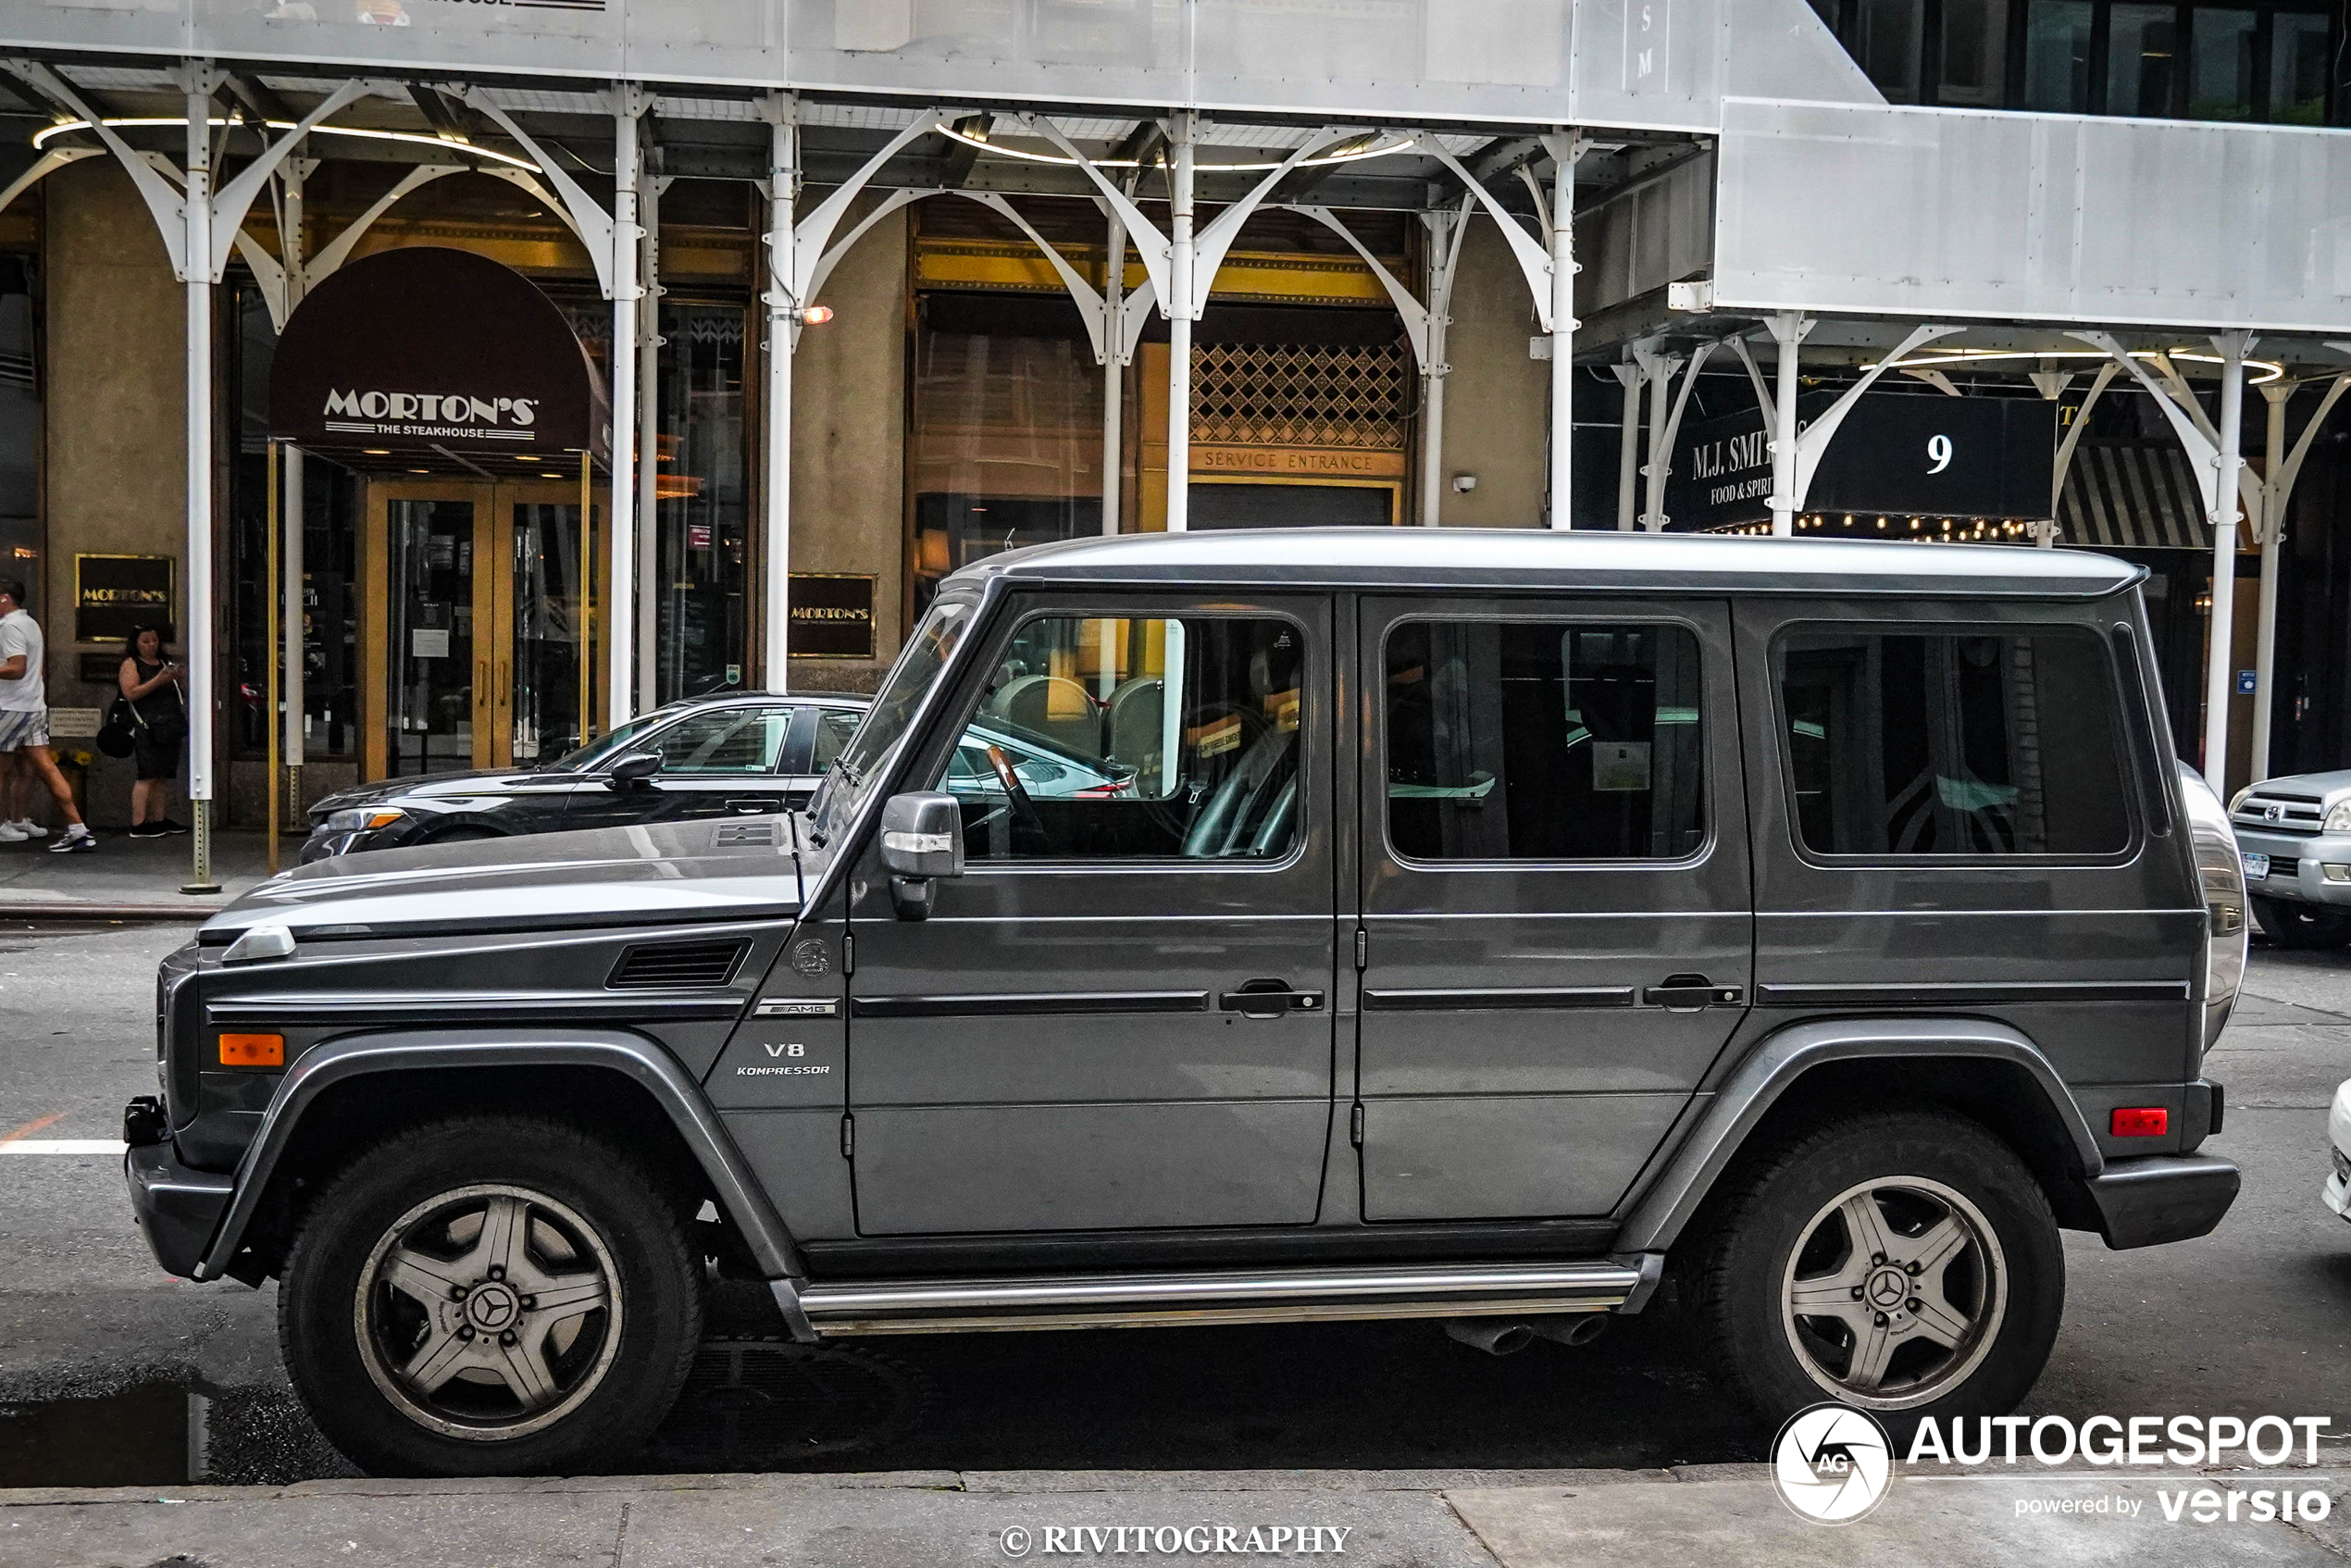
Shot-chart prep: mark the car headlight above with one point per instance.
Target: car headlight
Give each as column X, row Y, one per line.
column 362, row 819
column 2338, row 819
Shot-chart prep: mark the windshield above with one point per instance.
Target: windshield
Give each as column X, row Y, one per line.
column 918, row 665
column 605, row 747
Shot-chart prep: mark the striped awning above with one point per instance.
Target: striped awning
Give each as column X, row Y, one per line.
column 2133, row 495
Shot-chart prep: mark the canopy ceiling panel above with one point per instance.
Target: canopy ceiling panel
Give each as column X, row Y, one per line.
column 1655, row 63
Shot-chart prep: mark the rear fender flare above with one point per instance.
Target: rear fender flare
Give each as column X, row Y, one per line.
column 644, row 1064
column 1674, row 1195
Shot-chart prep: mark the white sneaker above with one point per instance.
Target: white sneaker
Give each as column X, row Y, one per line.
column 28, row 828
column 12, row 834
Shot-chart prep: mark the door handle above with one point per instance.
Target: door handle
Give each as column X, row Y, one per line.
column 1269, row 999
column 753, row 806
column 1688, row 993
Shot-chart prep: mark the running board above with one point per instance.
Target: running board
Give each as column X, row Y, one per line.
column 1226, row 1296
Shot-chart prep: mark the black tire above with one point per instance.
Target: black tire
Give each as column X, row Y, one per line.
column 588, row 1204
column 2303, row 924
column 1750, row 1267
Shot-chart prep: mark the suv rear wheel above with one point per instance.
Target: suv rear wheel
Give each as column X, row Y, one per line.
column 492, row 1295
column 2303, row 924
column 1904, row 1262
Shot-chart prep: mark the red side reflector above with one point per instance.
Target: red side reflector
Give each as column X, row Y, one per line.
column 2140, row 1121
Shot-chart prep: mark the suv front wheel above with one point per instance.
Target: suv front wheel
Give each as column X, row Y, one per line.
column 1904, row 1262
column 489, row 1295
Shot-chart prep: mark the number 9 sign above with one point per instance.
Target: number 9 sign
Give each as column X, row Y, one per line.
column 1939, row 449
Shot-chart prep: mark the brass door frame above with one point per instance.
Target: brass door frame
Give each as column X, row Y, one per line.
column 493, row 606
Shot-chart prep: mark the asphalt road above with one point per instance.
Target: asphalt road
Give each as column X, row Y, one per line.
column 111, row 1372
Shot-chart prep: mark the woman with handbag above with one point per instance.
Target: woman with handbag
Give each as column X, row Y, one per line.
column 158, row 728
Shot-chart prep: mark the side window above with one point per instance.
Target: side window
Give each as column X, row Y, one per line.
column 1543, row 741
column 724, row 740
column 1957, row 744
column 834, row 727
column 1117, row 740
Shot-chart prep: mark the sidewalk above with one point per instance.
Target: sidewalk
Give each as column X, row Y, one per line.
column 1408, row 1519
column 126, row 878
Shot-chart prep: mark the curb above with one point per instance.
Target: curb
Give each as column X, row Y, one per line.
column 186, row 914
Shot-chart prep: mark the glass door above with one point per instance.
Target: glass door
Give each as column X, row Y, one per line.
column 473, row 648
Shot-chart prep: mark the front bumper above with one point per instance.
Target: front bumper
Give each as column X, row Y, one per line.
column 2298, row 865
column 2336, row 1193
column 178, row 1209
column 2161, row 1198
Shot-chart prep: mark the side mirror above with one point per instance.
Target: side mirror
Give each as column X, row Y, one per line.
column 634, row 768
column 922, row 840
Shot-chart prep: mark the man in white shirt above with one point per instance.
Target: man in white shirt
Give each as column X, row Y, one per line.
column 24, row 729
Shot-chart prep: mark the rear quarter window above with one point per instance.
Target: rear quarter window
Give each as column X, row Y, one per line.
column 1961, row 742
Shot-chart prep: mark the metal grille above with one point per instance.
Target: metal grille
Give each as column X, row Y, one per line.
column 1252, row 395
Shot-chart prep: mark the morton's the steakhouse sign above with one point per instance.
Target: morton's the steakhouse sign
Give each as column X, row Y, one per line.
column 426, row 349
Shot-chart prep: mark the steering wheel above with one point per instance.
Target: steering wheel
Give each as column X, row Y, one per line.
column 1024, row 807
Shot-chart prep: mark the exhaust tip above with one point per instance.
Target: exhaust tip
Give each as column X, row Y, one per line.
column 1495, row 1336
column 1579, row 1328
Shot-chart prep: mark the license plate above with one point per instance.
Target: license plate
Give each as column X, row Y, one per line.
column 2257, row 867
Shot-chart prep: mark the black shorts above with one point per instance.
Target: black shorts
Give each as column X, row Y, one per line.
column 156, row 759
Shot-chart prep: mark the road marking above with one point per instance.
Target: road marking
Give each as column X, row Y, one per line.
column 32, row 1126
column 63, row 1146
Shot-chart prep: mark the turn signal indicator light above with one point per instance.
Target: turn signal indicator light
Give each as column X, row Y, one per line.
column 257, row 1050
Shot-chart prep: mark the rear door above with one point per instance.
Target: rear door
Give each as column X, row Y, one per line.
column 1557, row 925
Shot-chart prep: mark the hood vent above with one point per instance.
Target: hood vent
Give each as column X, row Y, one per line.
column 677, row 965
column 745, row 833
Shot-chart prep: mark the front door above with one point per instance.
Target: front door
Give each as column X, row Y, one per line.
column 470, row 642
column 1556, row 907
column 1120, row 1015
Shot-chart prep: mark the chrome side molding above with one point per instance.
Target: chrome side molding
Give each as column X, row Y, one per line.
column 1219, row 1297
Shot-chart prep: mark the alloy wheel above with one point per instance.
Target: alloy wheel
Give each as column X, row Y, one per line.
column 1895, row 1293
column 488, row 1313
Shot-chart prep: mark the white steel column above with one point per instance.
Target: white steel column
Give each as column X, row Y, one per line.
column 783, row 182
column 620, row 636
column 1113, row 371
column 1183, row 309
column 1628, row 446
column 649, row 340
column 1446, row 227
column 1788, row 329
column 196, row 634
column 292, row 616
column 1659, row 370
column 2228, row 462
column 2270, row 529
column 1565, row 150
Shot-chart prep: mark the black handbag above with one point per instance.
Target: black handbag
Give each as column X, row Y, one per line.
column 114, row 735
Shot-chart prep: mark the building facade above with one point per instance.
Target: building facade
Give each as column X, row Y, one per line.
column 858, row 291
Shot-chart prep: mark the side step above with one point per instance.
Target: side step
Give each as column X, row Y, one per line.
column 1226, row 1296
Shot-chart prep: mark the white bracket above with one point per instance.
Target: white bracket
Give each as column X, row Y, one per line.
column 2204, row 452
column 812, row 233
column 2278, row 488
column 1534, row 256
column 2099, row 383
column 1932, row 376
column 165, row 204
column 231, row 201
column 1663, row 458
column 49, row 163
column 1814, row 441
column 1415, row 315
column 1755, row 377
column 586, row 217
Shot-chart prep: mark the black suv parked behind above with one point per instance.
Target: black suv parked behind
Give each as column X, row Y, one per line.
column 1461, row 924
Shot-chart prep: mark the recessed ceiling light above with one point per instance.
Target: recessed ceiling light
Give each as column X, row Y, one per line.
column 375, row 452
column 526, row 458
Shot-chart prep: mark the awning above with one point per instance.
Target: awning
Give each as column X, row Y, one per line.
column 426, row 355
column 2133, row 495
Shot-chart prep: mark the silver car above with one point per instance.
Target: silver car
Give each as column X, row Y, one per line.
column 2296, row 836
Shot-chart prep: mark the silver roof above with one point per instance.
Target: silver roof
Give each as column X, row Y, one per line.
column 1505, row 559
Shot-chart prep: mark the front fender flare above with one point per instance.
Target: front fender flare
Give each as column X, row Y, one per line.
column 1673, row 1197
column 338, row 1060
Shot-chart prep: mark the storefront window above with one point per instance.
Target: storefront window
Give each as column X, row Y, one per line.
column 2056, row 57
column 1886, row 44
column 1008, row 429
column 2141, row 59
column 2220, row 69
column 1976, row 46
column 2298, row 68
column 702, row 503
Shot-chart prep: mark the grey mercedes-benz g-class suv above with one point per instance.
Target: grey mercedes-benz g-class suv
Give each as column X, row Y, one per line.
column 1474, row 925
